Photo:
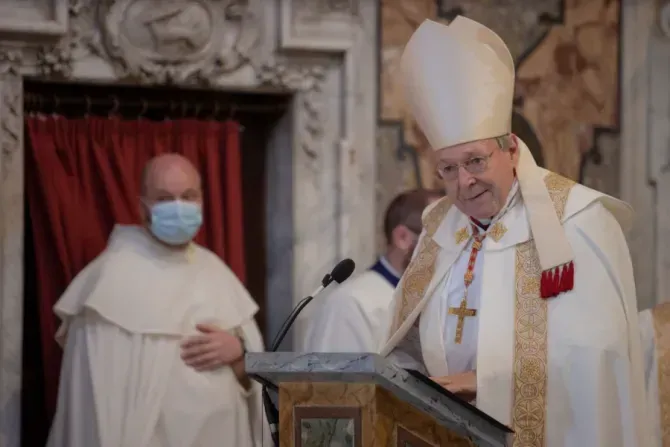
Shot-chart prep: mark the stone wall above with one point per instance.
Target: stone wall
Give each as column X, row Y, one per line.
column 567, row 56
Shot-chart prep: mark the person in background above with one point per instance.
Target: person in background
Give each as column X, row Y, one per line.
column 348, row 318
column 154, row 332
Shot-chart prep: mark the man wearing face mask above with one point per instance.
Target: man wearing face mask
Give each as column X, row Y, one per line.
column 348, row 319
column 520, row 296
column 154, row 332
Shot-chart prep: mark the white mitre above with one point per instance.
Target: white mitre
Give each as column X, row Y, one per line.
column 458, row 81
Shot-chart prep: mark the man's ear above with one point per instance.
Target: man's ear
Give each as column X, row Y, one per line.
column 402, row 237
column 514, row 150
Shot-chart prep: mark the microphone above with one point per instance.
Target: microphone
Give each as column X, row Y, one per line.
column 339, row 274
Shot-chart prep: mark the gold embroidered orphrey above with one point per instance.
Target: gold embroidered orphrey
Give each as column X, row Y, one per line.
column 497, row 231
column 661, row 317
column 530, row 333
column 462, row 235
column 530, row 348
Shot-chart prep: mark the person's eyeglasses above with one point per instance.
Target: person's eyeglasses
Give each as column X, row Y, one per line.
column 475, row 165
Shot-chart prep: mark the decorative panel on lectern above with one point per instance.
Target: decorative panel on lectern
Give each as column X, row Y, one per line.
column 362, row 400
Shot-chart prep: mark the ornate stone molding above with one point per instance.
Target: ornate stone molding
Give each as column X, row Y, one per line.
column 175, row 42
column 11, row 104
column 323, row 25
column 51, row 19
column 306, row 79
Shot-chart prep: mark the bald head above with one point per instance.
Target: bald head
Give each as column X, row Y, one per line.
column 169, row 177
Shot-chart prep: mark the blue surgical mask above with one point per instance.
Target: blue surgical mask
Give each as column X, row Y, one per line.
column 176, row 222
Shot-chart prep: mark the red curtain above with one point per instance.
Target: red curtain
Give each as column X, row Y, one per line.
column 84, row 176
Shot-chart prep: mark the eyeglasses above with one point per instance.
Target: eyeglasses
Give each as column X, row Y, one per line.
column 475, row 165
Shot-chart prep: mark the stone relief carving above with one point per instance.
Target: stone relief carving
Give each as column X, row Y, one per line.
column 159, row 41
column 11, row 104
column 184, row 42
column 56, row 60
column 307, row 79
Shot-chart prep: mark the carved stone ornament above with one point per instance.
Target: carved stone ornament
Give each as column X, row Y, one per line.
column 10, row 60
column 306, row 79
column 160, row 41
column 11, row 105
column 178, row 41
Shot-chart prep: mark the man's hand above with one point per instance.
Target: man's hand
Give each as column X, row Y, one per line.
column 463, row 385
column 211, row 350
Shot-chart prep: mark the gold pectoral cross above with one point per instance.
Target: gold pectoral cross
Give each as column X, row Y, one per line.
column 461, row 311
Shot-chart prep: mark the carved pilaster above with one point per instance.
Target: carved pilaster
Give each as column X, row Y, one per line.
column 11, row 242
column 307, row 81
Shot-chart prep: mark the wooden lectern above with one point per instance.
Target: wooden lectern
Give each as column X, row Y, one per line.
column 362, row 400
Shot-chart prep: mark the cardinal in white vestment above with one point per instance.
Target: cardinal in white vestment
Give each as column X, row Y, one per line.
column 350, row 317
column 655, row 336
column 520, row 295
column 154, row 332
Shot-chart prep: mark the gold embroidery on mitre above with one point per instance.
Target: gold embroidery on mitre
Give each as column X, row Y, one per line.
column 462, row 235
column 530, row 339
column 420, row 270
column 661, row 317
column 497, row 231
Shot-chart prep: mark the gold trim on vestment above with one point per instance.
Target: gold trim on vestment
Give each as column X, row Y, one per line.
column 497, row 231
column 530, row 346
column 529, row 409
column 462, row 235
column 661, row 317
column 421, row 268
column 530, row 350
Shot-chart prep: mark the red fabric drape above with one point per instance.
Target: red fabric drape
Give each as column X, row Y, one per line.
column 84, row 176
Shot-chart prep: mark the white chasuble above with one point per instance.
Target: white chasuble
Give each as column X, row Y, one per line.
column 122, row 380
column 561, row 372
column 655, row 336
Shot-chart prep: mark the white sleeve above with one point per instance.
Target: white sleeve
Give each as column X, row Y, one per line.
column 340, row 324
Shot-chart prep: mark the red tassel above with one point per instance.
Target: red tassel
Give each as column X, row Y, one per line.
column 557, row 280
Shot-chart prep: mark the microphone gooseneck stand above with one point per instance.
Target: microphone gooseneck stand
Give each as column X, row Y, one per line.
column 340, row 273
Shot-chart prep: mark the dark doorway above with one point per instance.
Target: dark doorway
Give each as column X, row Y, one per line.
column 257, row 113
